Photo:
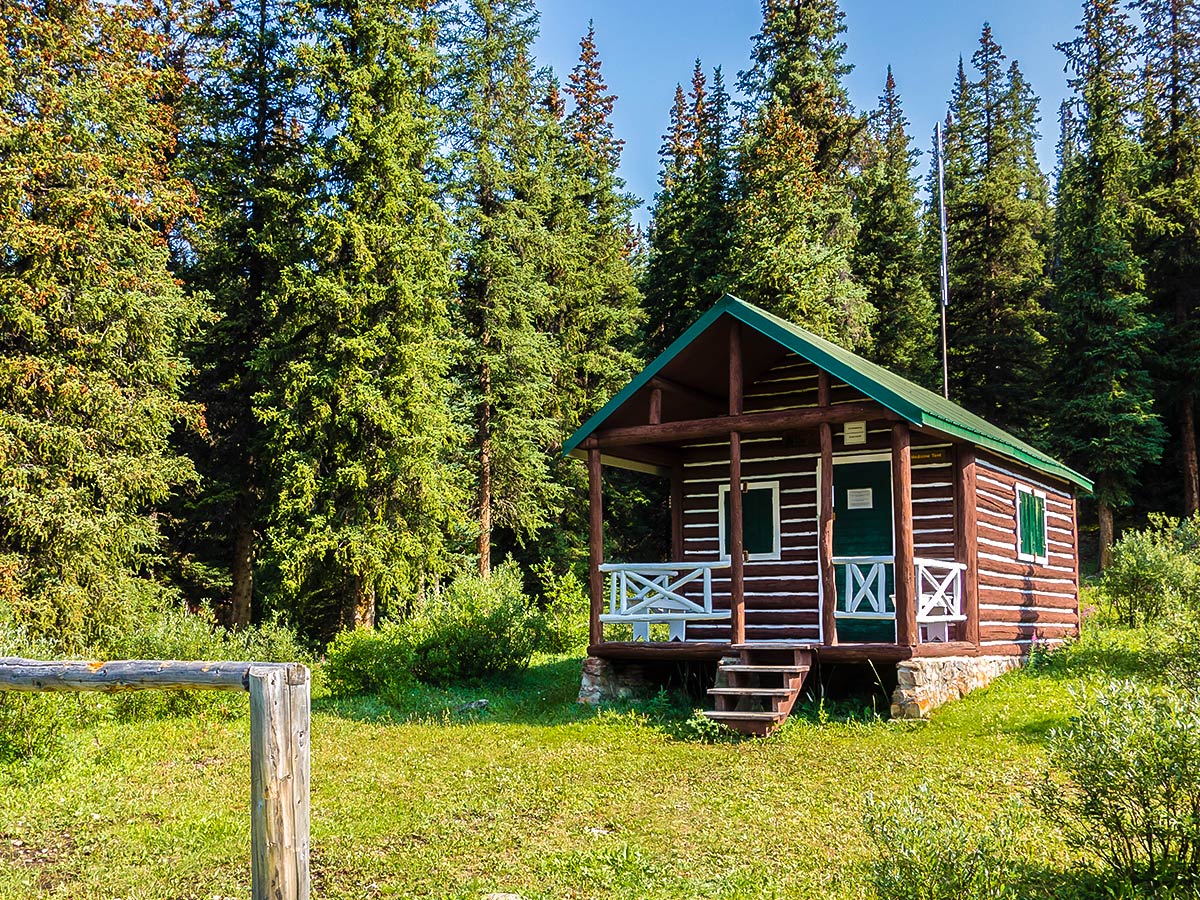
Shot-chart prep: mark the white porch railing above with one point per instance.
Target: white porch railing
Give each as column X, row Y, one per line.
column 866, row 593
column 645, row 593
column 939, row 592
column 939, row 597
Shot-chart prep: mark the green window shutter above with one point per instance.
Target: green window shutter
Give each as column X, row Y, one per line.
column 1032, row 511
column 759, row 525
column 1039, row 515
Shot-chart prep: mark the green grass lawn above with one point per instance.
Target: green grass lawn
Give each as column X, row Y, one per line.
column 537, row 796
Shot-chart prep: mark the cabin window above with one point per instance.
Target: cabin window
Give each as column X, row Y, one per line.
column 760, row 520
column 1031, row 524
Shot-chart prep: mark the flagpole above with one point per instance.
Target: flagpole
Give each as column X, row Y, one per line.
column 945, row 262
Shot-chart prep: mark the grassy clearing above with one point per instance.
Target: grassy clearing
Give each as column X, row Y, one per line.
column 536, row 796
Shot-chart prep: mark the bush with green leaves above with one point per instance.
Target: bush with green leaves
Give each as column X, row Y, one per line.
column 477, row 628
column 1173, row 649
column 366, row 661
column 925, row 850
column 1131, row 757
column 1153, row 570
column 175, row 633
column 565, row 608
column 30, row 724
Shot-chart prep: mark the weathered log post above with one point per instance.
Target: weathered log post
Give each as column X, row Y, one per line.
column 279, row 744
column 279, row 786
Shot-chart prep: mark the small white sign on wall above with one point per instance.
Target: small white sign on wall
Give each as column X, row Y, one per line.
column 860, row 498
column 854, row 433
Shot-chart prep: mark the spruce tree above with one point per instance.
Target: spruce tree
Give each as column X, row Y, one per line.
column 888, row 260
column 1106, row 422
column 1170, row 242
column 244, row 149
column 692, row 227
column 597, row 304
column 501, row 188
column 354, row 361
column 998, row 216
column 796, row 228
column 92, row 321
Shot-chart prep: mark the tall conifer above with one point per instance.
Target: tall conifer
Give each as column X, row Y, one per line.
column 244, row 148
column 597, row 302
column 1171, row 243
column 888, row 261
column 1106, row 421
column 354, row 400
column 796, row 227
column 91, row 321
column 691, row 234
column 998, row 217
column 501, row 188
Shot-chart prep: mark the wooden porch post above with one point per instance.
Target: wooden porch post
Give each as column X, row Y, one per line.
column 966, row 537
column 737, row 593
column 595, row 548
column 677, row 512
column 825, row 539
column 905, row 576
column 825, row 521
column 737, row 584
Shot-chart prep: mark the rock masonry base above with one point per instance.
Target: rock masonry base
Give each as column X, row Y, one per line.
column 606, row 680
column 925, row 684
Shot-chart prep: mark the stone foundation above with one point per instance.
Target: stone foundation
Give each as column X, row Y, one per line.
column 606, row 680
column 926, row 683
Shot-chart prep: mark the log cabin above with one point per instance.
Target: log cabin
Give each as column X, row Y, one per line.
column 823, row 509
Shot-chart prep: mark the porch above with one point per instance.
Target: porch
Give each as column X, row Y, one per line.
column 827, row 588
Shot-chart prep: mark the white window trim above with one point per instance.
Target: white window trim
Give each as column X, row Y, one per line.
column 1026, row 489
column 773, row 486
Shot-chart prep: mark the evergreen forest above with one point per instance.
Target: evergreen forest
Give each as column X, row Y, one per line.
column 299, row 301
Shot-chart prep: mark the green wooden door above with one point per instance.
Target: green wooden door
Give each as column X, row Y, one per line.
column 862, row 526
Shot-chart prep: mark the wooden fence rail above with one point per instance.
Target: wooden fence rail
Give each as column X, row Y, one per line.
column 279, row 744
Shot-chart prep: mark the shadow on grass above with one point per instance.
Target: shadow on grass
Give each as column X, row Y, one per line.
column 542, row 694
column 1034, row 882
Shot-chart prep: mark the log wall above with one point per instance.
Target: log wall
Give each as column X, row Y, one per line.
column 782, row 596
column 1021, row 601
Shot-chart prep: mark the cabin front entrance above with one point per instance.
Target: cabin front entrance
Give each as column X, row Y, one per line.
column 864, row 550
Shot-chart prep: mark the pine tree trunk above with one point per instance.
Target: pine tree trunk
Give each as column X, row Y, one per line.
column 1105, row 513
column 242, row 571
column 1191, row 460
column 485, row 473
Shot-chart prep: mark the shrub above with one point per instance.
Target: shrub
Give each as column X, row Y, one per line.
column 30, row 724
column 1154, row 569
column 1173, row 647
column 365, row 661
column 1132, row 757
column 926, row 851
column 565, row 609
column 476, row 629
column 175, row 633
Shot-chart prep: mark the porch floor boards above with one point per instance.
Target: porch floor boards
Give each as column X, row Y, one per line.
column 712, row 651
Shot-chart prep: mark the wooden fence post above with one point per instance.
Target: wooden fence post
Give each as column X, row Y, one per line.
column 279, row 744
column 279, row 782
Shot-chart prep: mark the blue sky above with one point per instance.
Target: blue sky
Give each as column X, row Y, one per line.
column 649, row 45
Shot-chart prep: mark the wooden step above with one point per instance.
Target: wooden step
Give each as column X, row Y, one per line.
column 776, row 645
column 777, row 669
column 722, row 715
column 751, row 691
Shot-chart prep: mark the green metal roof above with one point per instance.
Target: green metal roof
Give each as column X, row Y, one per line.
column 910, row 401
